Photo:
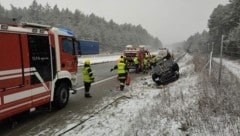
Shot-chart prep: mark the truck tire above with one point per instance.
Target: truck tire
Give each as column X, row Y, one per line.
column 61, row 96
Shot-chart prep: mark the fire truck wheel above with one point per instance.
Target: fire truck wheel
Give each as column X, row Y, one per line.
column 61, row 96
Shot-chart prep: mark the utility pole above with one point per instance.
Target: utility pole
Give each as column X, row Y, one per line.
column 220, row 67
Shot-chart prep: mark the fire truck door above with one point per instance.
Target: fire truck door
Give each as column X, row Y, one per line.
column 68, row 54
column 40, row 60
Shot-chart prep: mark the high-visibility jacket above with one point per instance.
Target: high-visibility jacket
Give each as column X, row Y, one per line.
column 87, row 74
column 121, row 70
column 135, row 60
column 154, row 60
column 146, row 55
column 145, row 61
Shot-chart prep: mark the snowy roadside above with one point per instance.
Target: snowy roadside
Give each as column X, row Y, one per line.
column 231, row 65
column 147, row 110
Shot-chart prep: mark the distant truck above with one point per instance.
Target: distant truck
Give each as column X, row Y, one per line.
column 87, row 47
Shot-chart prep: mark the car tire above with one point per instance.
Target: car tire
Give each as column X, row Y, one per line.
column 154, row 76
column 175, row 67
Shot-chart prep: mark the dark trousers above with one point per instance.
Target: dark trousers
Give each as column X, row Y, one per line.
column 145, row 69
column 136, row 68
column 87, row 87
column 122, row 79
column 122, row 84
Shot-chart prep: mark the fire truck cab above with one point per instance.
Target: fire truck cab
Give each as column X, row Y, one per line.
column 38, row 65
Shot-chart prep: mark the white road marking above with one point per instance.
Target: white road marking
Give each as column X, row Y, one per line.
column 98, row 82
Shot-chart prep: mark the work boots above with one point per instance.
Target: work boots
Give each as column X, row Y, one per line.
column 121, row 86
column 88, row 95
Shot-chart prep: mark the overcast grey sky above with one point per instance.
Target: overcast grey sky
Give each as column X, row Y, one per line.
column 169, row 20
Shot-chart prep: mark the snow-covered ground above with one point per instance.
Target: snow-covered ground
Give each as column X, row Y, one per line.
column 145, row 109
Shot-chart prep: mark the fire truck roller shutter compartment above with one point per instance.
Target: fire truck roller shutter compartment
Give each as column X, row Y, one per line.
column 11, row 66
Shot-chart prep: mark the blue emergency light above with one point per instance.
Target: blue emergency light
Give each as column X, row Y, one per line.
column 68, row 31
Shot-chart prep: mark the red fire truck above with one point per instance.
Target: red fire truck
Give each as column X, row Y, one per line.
column 130, row 52
column 38, row 65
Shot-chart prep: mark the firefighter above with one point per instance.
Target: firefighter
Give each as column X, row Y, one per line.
column 146, row 55
column 122, row 72
column 153, row 60
column 125, row 59
column 165, row 55
column 168, row 56
column 136, row 63
column 87, row 77
column 145, row 65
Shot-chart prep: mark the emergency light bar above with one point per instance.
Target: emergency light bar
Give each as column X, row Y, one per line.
column 69, row 32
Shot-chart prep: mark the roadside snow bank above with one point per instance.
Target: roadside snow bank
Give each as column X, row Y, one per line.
column 98, row 59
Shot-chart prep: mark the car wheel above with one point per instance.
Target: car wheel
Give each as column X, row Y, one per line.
column 175, row 67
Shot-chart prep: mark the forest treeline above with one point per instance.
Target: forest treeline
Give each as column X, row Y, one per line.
column 224, row 21
column 112, row 37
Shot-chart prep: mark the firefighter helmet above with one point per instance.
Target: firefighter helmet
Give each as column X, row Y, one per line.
column 87, row 61
column 121, row 60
